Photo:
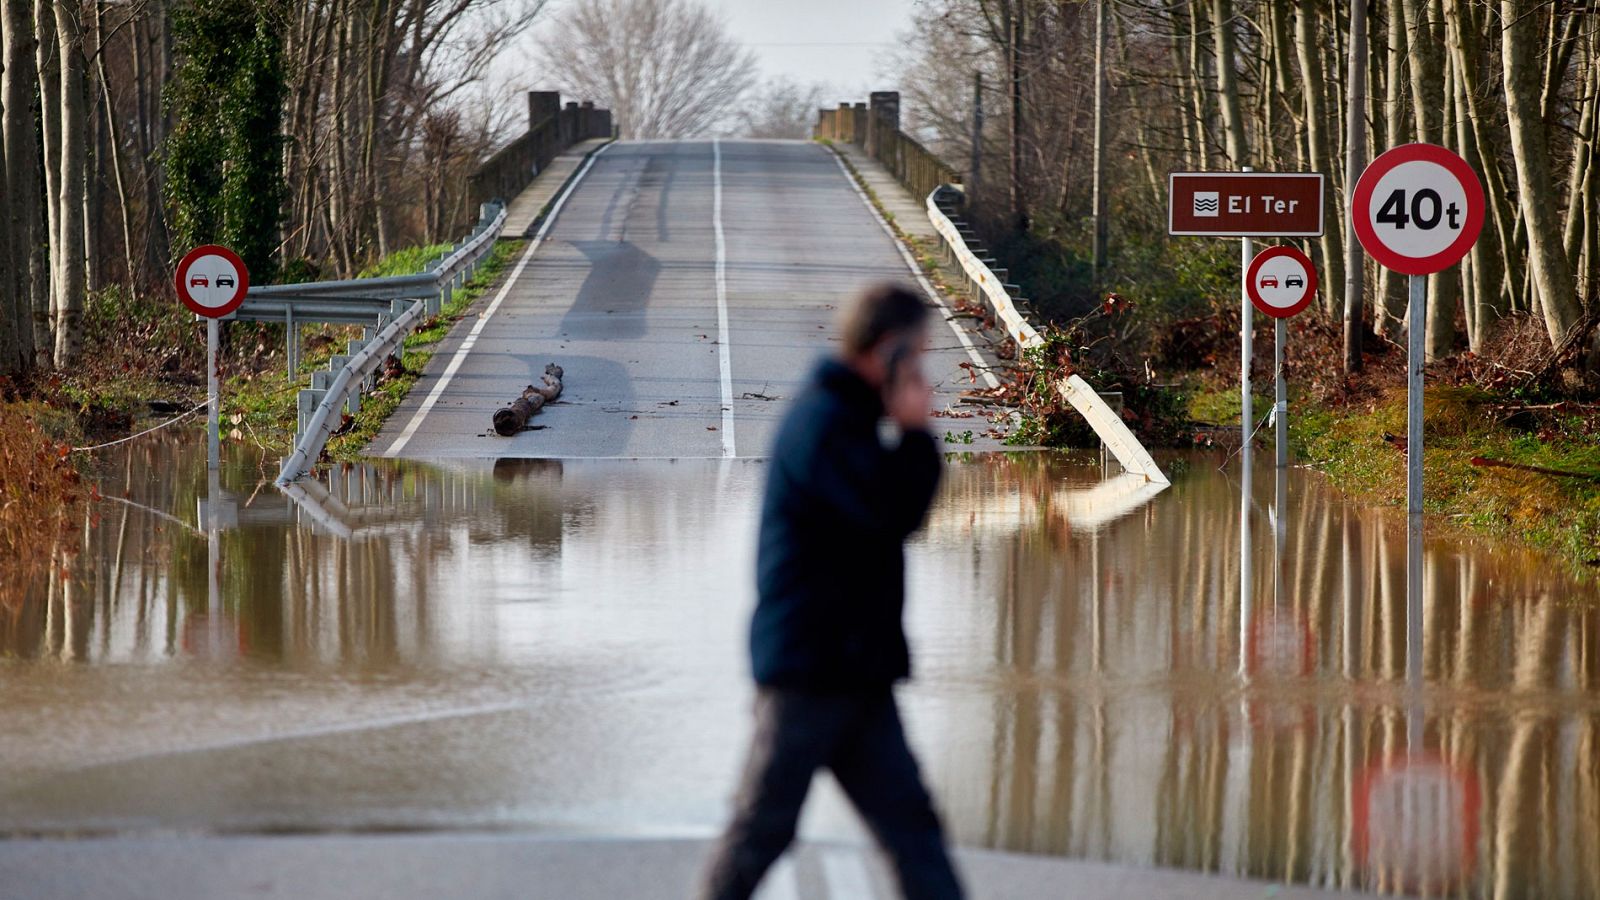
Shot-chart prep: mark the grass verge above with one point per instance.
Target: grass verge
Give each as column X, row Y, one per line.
column 1468, row 432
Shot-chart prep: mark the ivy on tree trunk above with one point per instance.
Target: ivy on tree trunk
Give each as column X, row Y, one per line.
column 225, row 180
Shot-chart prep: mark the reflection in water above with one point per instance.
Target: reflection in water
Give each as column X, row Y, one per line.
column 549, row 644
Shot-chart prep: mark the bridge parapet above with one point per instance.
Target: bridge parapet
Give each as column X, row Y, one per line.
column 552, row 128
column 875, row 128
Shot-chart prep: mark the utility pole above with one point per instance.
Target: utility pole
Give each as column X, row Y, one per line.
column 1015, row 32
column 1099, row 142
column 974, row 173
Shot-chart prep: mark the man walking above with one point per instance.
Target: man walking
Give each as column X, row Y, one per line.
column 826, row 642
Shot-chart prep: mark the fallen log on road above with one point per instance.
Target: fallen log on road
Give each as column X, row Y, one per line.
column 512, row 419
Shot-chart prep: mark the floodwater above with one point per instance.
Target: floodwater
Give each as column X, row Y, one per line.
column 559, row 647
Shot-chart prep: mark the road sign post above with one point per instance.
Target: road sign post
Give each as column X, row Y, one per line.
column 1418, row 210
column 1280, row 282
column 1244, row 205
column 212, row 282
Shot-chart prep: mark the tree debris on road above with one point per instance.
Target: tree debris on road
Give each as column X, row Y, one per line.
column 512, row 419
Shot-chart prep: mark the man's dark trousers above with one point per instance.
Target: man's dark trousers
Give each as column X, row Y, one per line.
column 858, row 737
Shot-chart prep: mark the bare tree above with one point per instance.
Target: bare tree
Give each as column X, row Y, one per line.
column 665, row 68
column 782, row 108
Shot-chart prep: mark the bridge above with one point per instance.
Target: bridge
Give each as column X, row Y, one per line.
column 686, row 287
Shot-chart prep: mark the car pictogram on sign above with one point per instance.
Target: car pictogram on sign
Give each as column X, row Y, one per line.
column 199, row 281
column 1292, row 281
column 1269, row 281
column 224, row 281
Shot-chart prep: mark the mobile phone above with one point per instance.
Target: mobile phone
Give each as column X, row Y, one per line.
column 899, row 353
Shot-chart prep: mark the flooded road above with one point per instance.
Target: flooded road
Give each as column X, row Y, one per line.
column 558, row 646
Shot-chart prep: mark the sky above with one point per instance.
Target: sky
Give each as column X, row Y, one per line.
column 834, row 42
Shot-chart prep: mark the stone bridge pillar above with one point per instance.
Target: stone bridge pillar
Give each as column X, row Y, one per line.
column 882, row 121
column 541, row 106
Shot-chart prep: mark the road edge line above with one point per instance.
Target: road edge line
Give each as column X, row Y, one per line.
column 477, row 328
column 724, row 351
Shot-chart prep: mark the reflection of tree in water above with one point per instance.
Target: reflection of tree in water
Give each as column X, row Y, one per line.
column 291, row 593
column 1128, row 722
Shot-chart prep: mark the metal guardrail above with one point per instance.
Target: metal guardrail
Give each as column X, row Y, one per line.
column 369, row 301
column 1105, row 421
column 393, row 304
column 984, row 280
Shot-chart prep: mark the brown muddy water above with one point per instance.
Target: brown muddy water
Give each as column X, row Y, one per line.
column 559, row 647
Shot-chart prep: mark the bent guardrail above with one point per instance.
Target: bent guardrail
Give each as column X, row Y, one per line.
column 988, row 284
column 397, row 303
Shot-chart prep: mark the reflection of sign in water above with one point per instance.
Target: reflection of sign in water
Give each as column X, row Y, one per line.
column 1281, row 645
column 1416, row 823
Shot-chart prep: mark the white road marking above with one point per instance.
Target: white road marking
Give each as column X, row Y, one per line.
column 781, row 882
column 922, row 280
column 846, row 875
column 483, row 320
column 724, row 352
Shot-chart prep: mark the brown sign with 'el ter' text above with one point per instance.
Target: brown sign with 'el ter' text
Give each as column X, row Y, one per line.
column 1245, row 204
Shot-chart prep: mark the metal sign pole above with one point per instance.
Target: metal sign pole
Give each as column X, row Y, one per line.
column 1415, row 354
column 1280, row 409
column 1246, row 413
column 1415, row 357
column 213, row 396
column 1246, row 350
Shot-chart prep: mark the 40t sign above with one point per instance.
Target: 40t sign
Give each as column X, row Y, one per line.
column 1418, row 209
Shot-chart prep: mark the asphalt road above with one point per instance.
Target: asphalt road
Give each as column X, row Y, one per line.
column 686, row 288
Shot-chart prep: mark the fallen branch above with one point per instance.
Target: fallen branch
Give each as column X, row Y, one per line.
column 1486, row 462
column 514, row 418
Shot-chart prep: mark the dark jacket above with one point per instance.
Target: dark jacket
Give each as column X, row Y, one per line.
column 830, row 571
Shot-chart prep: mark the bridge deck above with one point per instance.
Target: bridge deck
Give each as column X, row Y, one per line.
column 623, row 295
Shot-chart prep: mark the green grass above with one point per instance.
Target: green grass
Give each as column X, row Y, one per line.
column 1556, row 514
column 409, row 261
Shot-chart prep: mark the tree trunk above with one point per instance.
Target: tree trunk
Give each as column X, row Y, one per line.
column 1228, row 83
column 74, row 165
column 13, row 313
column 47, row 306
column 113, row 131
column 1387, row 317
column 1444, row 288
column 1309, row 49
column 1491, row 250
column 17, row 84
column 1355, row 161
column 1552, row 273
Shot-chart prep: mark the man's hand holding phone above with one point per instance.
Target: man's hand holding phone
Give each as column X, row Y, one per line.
column 908, row 398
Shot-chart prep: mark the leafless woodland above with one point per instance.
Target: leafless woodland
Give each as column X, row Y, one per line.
column 380, row 117
column 1287, row 85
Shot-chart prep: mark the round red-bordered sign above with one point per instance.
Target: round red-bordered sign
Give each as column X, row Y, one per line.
column 212, row 281
column 1418, row 209
column 1281, row 282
